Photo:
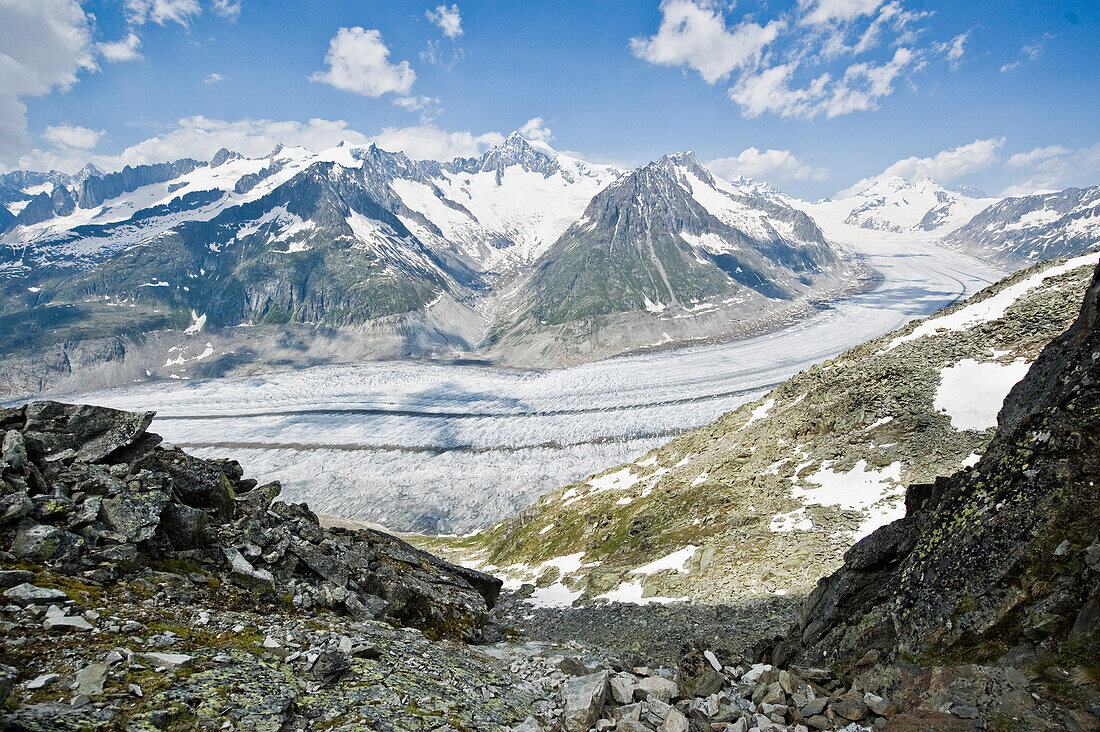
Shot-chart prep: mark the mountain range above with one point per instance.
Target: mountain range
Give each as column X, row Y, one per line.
column 524, row 255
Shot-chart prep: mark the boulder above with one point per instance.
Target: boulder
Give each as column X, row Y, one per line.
column 13, row 577
column 8, row 676
column 329, row 668
column 41, row 543
column 241, row 572
column 93, row 432
column 28, row 594
column 184, row 526
column 583, row 698
column 135, row 515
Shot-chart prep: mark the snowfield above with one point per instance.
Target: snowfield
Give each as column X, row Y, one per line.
column 449, row 448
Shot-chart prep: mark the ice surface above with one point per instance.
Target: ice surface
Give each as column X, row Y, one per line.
column 437, row 447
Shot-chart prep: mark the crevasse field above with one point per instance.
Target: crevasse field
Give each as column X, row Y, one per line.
column 448, row 448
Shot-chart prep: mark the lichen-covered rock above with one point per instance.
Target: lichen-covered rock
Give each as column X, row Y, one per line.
column 92, row 432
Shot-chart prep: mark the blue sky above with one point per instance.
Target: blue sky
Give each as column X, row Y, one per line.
column 811, row 95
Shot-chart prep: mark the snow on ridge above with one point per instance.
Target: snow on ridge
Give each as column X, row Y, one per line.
column 993, row 307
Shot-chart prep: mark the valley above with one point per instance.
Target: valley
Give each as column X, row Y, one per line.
column 448, row 448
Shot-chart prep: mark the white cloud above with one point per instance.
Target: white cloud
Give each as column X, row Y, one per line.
column 449, row 20
column 949, row 165
column 1030, row 52
column 72, row 136
column 125, row 49
column 536, row 129
column 213, row 78
column 693, row 33
column 944, row 167
column 428, row 142
column 784, row 66
column 44, row 45
column 200, row 137
column 859, row 89
column 229, row 9
column 954, row 49
column 1036, row 156
column 1054, row 168
column 864, row 84
column 428, row 108
column 358, row 61
column 162, row 12
column 767, row 165
column 832, row 11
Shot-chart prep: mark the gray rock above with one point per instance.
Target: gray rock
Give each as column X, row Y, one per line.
column 28, row 594
column 850, row 706
column 66, row 622
column 329, row 668
column 656, row 687
column 184, row 526
column 583, row 698
column 8, row 676
column 675, row 722
column 14, row 451
column 15, row 506
column 42, row 543
column 89, row 680
column 134, row 515
column 622, row 687
column 42, row 681
column 94, row 432
column 258, row 581
column 876, row 704
column 167, row 661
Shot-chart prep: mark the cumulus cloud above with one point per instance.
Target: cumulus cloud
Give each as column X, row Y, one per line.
column 428, row 142
column 213, row 78
column 768, row 165
column 125, row 49
column 162, row 12
column 44, row 46
column 944, row 167
column 1053, row 168
column 949, row 165
column 358, row 61
column 536, row 129
column 448, row 19
column 72, row 136
column 791, row 65
column 693, row 33
column 200, row 137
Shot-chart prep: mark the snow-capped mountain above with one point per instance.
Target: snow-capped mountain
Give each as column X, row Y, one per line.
column 672, row 243
column 349, row 236
column 896, row 204
column 1017, row 231
column 670, row 234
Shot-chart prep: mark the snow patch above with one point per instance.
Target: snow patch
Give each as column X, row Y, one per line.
column 971, row 393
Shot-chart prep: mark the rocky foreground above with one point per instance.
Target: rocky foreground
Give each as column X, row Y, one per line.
column 147, row 589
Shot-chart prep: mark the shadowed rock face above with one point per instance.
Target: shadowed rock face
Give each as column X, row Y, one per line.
column 1002, row 554
column 88, row 492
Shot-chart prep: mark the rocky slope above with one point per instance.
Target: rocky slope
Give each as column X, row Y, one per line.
column 767, row 499
column 1018, row 231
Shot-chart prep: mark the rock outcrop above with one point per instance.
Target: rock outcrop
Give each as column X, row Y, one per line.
column 89, row 493
column 998, row 564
